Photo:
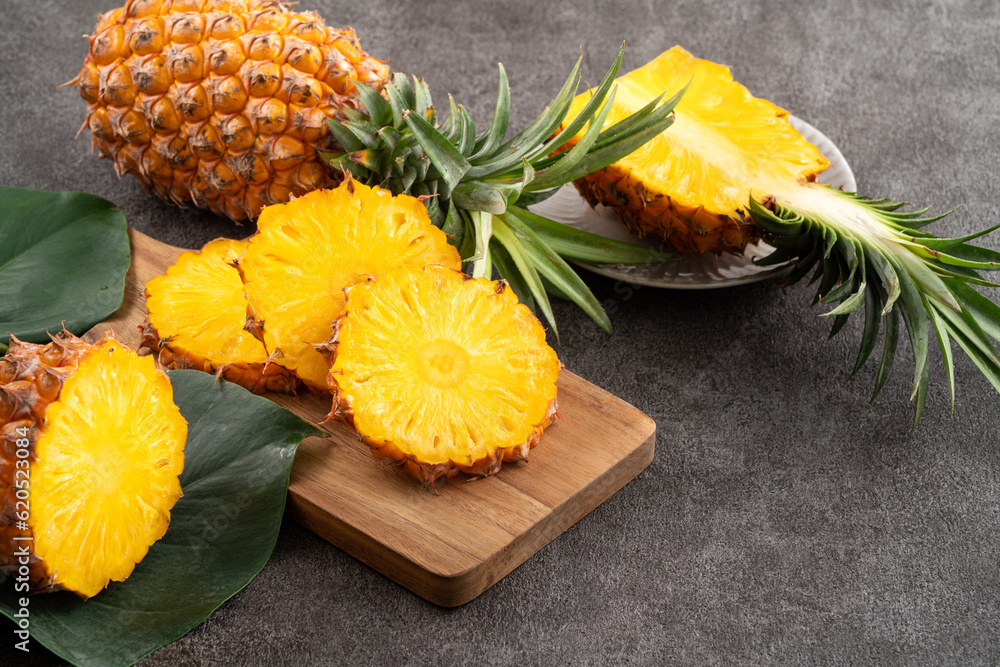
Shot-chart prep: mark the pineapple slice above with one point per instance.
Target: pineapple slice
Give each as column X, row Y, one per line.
column 106, row 447
column 196, row 315
column 307, row 251
column 690, row 184
column 442, row 373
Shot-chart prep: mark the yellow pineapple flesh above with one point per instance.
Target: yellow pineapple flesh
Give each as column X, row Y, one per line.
column 442, row 373
column 690, row 184
column 106, row 447
column 307, row 251
column 221, row 103
column 197, row 313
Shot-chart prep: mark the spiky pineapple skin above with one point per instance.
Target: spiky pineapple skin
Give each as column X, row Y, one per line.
column 648, row 212
column 31, row 378
column 220, row 103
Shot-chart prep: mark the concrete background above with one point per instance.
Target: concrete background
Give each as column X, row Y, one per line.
column 784, row 520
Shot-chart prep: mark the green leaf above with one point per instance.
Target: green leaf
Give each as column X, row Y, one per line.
column 890, row 339
column 944, row 342
column 589, row 109
column 916, row 326
column 526, row 266
column 454, row 226
column 422, row 97
column 367, row 133
column 986, row 312
column 981, row 257
column 557, row 271
column 568, row 161
column 378, row 109
column 397, row 100
column 442, row 153
column 347, row 139
column 529, row 139
column 935, row 243
column 870, row 336
column 63, row 259
column 583, row 246
column 449, row 128
column 466, row 132
column 482, row 196
column 222, row 531
column 508, row 271
column 599, row 158
column 501, row 118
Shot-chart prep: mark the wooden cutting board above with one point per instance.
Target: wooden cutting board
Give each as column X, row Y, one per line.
column 449, row 547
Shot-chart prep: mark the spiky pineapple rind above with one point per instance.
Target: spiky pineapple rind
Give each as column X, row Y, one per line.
column 254, row 377
column 31, row 377
column 683, row 229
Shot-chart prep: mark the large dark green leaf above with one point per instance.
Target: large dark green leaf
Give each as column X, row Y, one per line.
column 237, row 460
column 63, row 258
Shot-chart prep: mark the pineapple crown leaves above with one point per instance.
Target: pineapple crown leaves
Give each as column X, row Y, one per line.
column 477, row 186
column 871, row 256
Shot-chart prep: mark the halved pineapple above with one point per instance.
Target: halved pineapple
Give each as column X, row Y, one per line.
column 196, row 316
column 690, row 185
column 307, row 251
column 442, row 373
column 106, row 447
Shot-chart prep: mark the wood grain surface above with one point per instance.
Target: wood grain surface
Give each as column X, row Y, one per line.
column 451, row 546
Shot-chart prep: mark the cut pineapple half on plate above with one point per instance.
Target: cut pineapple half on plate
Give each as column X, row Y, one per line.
column 442, row 373
column 707, row 271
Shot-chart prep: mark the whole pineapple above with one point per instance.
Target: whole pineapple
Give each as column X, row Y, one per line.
column 92, row 449
column 221, row 103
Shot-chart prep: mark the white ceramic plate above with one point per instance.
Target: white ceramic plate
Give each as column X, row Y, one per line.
column 691, row 271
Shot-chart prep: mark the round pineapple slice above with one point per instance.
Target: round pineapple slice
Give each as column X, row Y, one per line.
column 197, row 313
column 442, row 373
column 690, row 184
column 306, row 252
column 94, row 446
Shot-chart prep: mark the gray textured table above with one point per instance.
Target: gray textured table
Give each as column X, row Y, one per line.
column 783, row 519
